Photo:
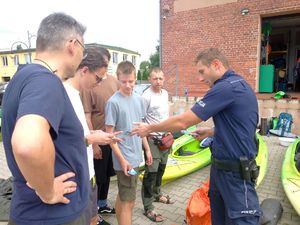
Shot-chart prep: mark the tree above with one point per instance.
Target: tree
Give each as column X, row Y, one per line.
column 146, row 66
column 154, row 58
column 143, row 73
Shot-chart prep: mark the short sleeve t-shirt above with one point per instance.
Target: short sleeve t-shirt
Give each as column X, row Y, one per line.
column 121, row 112
column 233, row 105
column 35, row 90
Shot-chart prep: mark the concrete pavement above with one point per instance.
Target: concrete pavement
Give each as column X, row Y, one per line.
column 181, row 189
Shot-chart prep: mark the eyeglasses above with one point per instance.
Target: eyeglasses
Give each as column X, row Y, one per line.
column 84, row 50
column 104, row 65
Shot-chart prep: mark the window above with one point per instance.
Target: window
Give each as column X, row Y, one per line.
column 125, row 57
column 27, row 58
column 115, row 58
column 133, row 59
column 16, row 60
column 4, row 61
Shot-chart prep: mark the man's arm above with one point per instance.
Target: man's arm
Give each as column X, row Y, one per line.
column 149, row 159
column 88, row 117
column 97, row 151
column 172, row 124
column 34, row 152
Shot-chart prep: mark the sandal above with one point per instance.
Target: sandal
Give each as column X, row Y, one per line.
column 165, row 199
column 153, row 216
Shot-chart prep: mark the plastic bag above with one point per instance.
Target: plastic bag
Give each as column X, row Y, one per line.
column 198, row 210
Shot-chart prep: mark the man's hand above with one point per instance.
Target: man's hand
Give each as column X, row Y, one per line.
column 102, row 138
column 149, row 159
column 97, row 151
column 202, row 132
column 141, row 129
column 61, row 186
column 126, row 167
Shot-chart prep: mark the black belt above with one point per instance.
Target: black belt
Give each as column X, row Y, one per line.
column 226, row 165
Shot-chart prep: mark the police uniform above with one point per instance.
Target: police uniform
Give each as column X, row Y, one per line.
column 233, row 105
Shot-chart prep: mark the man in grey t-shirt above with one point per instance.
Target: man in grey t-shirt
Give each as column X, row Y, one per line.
column 121, row 111
column 157, row 109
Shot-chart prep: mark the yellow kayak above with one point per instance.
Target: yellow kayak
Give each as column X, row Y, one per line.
column 290, row 176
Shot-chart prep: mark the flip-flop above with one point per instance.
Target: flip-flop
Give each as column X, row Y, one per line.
column 168, row 201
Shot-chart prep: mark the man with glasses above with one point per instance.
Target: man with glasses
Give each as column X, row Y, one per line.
column 85, row 78
column 42, row 136
column 94, row 101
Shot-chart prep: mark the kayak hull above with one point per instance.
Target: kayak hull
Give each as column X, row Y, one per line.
column 290, row 176
column 180, row 163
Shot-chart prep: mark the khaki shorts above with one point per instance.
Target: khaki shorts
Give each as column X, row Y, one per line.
column 127, row 186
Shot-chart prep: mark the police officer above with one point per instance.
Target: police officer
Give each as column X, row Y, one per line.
column 233, row 105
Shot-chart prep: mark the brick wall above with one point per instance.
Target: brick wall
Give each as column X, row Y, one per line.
column 268, row 108
column 185, row 33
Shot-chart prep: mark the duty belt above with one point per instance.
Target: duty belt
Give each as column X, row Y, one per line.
column 247, row 168
column 226, row 165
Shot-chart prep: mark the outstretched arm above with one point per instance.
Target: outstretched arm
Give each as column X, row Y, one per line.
column 172, row 124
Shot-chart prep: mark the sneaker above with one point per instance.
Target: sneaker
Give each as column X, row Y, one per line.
column 106, row 210
column 102, row 222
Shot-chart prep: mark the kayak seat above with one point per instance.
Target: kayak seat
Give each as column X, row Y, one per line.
column 297, row 156
column 298, row 148
column 182, row 152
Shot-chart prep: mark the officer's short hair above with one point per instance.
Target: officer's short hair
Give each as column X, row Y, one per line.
column 206, row 57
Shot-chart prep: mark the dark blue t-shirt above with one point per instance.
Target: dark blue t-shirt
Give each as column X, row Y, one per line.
column 233, row 105
column 35, row 90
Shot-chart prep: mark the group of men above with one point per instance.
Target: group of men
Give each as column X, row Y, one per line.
column 68, row 127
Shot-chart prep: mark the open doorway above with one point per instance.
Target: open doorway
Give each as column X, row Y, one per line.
column 281, row 51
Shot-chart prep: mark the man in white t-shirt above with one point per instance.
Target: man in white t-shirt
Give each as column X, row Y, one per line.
column 157, row 110
column 85, row 78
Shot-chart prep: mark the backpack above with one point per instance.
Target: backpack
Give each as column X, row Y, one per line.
column 284, row 123
column 198, row 207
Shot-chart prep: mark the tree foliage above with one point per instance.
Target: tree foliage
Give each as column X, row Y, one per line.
column 146, row 66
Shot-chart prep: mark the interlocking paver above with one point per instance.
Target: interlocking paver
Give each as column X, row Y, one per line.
column 181, row 189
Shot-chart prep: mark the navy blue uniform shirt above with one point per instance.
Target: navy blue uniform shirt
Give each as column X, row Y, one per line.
column 233, row 105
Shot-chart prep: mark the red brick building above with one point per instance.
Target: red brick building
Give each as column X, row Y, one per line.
column 236, row 27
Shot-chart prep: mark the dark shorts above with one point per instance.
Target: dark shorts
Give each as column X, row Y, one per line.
column 92, row 208
column 232, row 200
column 127, row 186
column 104, row 167
column 79, row 221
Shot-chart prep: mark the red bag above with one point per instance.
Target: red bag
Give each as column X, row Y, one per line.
column 198, row 206
column 165, row 142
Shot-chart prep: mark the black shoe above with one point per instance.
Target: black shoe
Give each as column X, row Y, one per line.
column 102, row 222
column 106, row 210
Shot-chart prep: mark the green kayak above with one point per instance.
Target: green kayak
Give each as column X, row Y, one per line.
column 290, row 176
column 187, row 156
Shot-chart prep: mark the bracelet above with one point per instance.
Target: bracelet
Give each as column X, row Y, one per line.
column 86, row 142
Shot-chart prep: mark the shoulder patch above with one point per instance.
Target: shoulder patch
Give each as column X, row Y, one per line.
column 201, row 103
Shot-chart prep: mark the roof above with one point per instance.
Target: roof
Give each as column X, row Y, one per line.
column 17, row 51
column 114, row 48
